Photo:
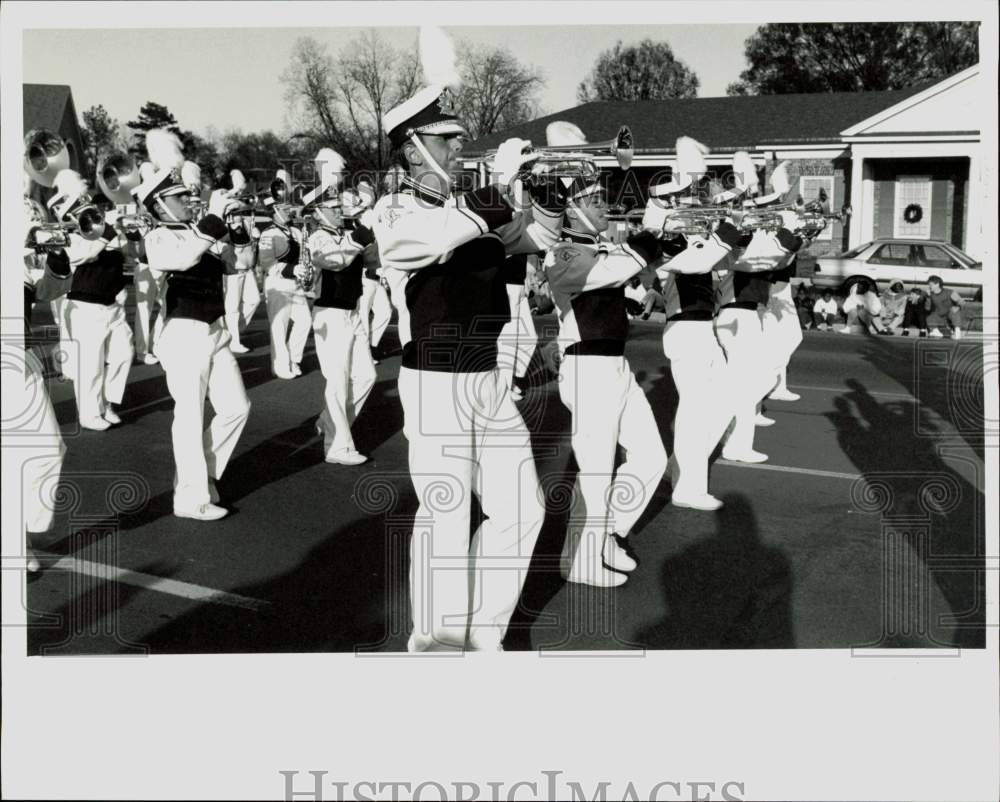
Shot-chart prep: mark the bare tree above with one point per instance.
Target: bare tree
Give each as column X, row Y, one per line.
column 497, row 91
column 339, row 102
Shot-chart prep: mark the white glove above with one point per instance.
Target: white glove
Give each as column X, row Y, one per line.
column 300, row 271
column 655, row 216
column 220, row 203
column 510, row 159
column 790, row 220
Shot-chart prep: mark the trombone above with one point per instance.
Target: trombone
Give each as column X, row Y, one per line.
column 574, row 161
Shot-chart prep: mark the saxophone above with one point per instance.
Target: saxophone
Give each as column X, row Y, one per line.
column 307, row 282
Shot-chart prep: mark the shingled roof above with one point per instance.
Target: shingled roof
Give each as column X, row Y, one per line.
column 44, row 105
column 722, row 123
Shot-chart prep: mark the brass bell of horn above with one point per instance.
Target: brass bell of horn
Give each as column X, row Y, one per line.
column 117, row 176
column 45, row 154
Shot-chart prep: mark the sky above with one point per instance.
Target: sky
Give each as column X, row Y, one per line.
column 229, row 78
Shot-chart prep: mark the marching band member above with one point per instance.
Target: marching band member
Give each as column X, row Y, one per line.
column 782, row 329
column 95, row 313
column 465, row 434
column 375, row 308
column 242, row 294
column 587, row 276
column 745, row 291
column 518, row 339
column 194, row 345
column 279, row 253
column 341, row 345
column 149, row 287
column 697, row 362
column 46, row 277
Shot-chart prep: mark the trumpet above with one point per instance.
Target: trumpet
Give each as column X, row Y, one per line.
column 132, row 223
column 50, row 236
column 574, row 161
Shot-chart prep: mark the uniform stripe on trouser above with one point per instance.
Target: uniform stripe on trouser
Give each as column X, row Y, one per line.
column 241, row 301
column 286, row 309
column 609, row 408
column 103, row 355
column 346, row 363
column 518, row 338
column 150, row 290
column 704, row 406
column 465, row 435
column 198, row 363
column 750, row 368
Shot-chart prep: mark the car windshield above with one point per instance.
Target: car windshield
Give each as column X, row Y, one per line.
column 966, row 260
column 853, row 253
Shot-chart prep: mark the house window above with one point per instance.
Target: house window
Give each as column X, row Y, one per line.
column 913, row 192
column 814, row 188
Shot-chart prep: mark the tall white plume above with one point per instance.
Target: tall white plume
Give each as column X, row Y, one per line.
column 437, row 57
column 329, row 165
column 69, row 184
column 779, row 179
column 562, row 132
column 690, row 158
column 191, row 174
column 744, row 171
column 239, row 180
column 164, row 149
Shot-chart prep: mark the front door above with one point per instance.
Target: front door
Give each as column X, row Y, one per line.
column 912, row 207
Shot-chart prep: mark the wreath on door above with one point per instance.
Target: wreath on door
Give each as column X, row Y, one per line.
column 913, row 213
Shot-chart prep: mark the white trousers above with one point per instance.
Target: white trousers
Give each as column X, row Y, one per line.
column 150, row 290
column 518, row 337
column 346, row 363
column 609, row 408
column 704, row 408
column 782, row 330
column 749, row 366
column 290, row 320
column 104, row 355
column 466, row 436
column 62, row 357
column 374, row 303
column 198, row 363
column 242, row 299
column 43, row 449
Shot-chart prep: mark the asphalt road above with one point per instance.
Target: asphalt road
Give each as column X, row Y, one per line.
column 865, row 528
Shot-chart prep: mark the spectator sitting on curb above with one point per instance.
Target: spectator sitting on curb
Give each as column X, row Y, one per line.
column 915, row 315
column 893, row 308
column 862, row 308
column 825, row 311
column 805, row 301
column 943, row 308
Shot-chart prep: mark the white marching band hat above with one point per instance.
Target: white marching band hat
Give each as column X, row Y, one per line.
column 561, row 133
column 163, row 178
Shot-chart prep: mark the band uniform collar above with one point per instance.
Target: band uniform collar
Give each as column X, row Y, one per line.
column 579, row 237
column 411, row 187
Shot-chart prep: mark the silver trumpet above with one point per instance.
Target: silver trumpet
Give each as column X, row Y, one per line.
column 51, row 236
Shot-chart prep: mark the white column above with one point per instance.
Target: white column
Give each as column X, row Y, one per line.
column 976, row 193
column 858, row 210
column 868, row 202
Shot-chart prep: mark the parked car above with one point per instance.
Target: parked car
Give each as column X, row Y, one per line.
column 911, row 261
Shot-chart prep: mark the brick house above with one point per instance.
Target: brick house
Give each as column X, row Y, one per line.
column 879, row 152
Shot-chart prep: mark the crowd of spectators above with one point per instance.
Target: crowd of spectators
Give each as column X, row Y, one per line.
column 931, row 311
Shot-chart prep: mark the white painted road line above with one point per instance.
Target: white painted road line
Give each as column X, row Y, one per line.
column 761, row 466
column 172, row 587
column 845, row 391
